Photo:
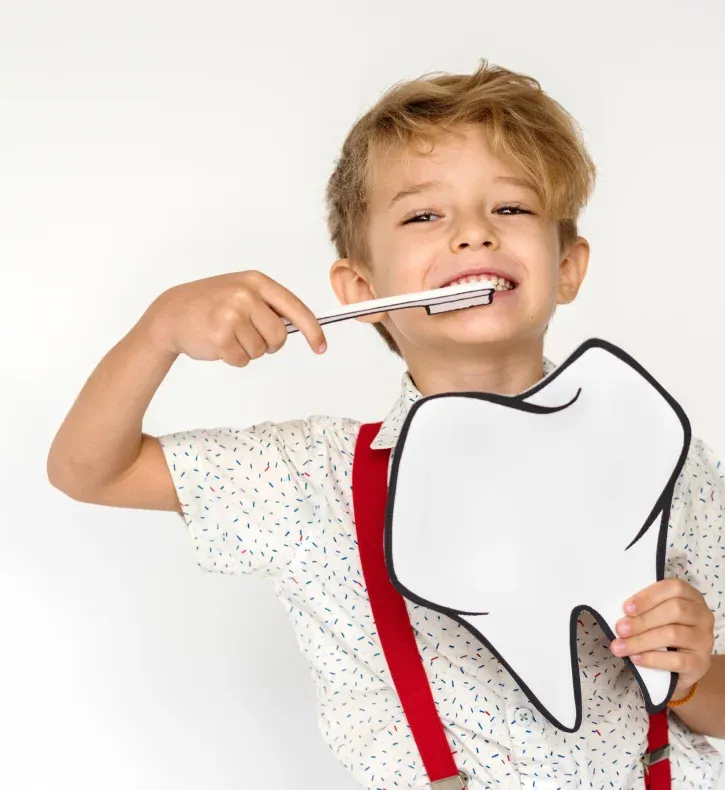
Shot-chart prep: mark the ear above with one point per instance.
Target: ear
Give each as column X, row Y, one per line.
column 351, row 283
column 572, row 270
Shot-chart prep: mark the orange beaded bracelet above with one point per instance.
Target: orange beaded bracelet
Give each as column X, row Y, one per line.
column 676, row 703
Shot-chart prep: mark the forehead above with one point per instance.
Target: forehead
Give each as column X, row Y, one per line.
column 465, row 154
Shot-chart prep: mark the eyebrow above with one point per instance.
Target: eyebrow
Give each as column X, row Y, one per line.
column 425, row 185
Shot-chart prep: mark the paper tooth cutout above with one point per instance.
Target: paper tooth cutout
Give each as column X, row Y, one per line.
column 513, row 514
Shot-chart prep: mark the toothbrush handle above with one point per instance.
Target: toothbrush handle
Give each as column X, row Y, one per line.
column 340, row 316
column 387, row 304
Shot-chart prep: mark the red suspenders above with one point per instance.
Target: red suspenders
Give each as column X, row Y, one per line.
column 369, row 489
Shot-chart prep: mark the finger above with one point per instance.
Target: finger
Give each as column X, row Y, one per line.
column 687, row 665
column 270, row 326
column 658, row 592
column 233, row 354
column 249, row 339
column 673, row 610
column 673, row 635
column 287, row 304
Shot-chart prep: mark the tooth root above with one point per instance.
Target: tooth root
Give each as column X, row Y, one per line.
column 550, row 682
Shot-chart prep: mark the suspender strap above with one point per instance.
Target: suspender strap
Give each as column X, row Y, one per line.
column 370, row 494
column 369, row 490
column 657, row 770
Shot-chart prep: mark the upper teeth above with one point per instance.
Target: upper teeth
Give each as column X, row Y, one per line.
column 499, row 283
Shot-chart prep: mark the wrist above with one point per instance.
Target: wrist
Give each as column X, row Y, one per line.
column 682, row 695
column 151, row 330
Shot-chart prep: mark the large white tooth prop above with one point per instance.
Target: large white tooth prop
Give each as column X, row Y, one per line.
column 514, row 514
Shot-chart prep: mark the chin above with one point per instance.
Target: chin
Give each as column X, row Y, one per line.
column 482, row 339
column 473, row 327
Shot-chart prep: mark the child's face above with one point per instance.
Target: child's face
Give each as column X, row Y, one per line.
column 473, row 219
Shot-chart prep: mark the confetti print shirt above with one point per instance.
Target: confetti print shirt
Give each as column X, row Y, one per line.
column 275, row 500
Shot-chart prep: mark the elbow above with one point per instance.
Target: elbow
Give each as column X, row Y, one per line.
column 63, row 477
column 54, row 470
column 59, row 478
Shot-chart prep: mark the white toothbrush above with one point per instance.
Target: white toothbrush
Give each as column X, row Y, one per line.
column 437, row 300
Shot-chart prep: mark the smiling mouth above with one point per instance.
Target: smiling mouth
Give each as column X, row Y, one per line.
column 499, row 283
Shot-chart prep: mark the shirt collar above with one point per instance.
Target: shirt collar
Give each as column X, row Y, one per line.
column 389, row 431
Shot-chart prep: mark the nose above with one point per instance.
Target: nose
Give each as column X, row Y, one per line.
column 474, row 232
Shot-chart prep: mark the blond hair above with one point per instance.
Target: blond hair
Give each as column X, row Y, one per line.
column 521, row 120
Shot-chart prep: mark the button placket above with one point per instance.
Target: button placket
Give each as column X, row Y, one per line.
column 531, row 750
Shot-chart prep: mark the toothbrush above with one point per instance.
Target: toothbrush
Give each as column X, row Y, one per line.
column 437, row 300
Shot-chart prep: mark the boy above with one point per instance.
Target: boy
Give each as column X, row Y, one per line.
column 447, row 178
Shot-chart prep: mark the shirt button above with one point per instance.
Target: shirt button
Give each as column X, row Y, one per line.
column 523, row 716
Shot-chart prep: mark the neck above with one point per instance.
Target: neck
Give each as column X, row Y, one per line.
column 502, row 371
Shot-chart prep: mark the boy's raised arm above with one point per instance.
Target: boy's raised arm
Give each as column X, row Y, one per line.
column 100, row 453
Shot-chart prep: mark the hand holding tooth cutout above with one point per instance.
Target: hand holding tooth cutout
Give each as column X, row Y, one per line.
column 668, row 614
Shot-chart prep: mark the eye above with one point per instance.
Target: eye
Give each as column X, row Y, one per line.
column 513, row 207
column 426, row 212
column 419, row 217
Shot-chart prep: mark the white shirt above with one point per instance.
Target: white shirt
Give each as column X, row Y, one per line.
column 274, row 499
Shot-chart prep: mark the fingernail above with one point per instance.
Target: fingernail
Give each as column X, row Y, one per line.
column 618, row 646
column 321, row 349
column 624, row 627
column 630, row 607
column 636, row 658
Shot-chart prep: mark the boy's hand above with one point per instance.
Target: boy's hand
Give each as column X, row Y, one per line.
column 233, row 317
column 669, row 613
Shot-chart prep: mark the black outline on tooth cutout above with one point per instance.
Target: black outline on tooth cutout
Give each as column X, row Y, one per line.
column 661, row 508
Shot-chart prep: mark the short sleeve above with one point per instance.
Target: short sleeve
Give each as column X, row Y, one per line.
column 248, row 496
column 696, row 536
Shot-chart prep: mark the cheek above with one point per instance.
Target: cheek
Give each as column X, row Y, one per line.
column 386, row 279
column 391, row 263
column 544, row 287
column 404, row 270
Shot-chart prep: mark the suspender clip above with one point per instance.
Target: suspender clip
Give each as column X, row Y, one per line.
column 651, row 758
column 459, row 782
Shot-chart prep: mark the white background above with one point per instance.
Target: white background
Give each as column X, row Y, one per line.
column 143, row 144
